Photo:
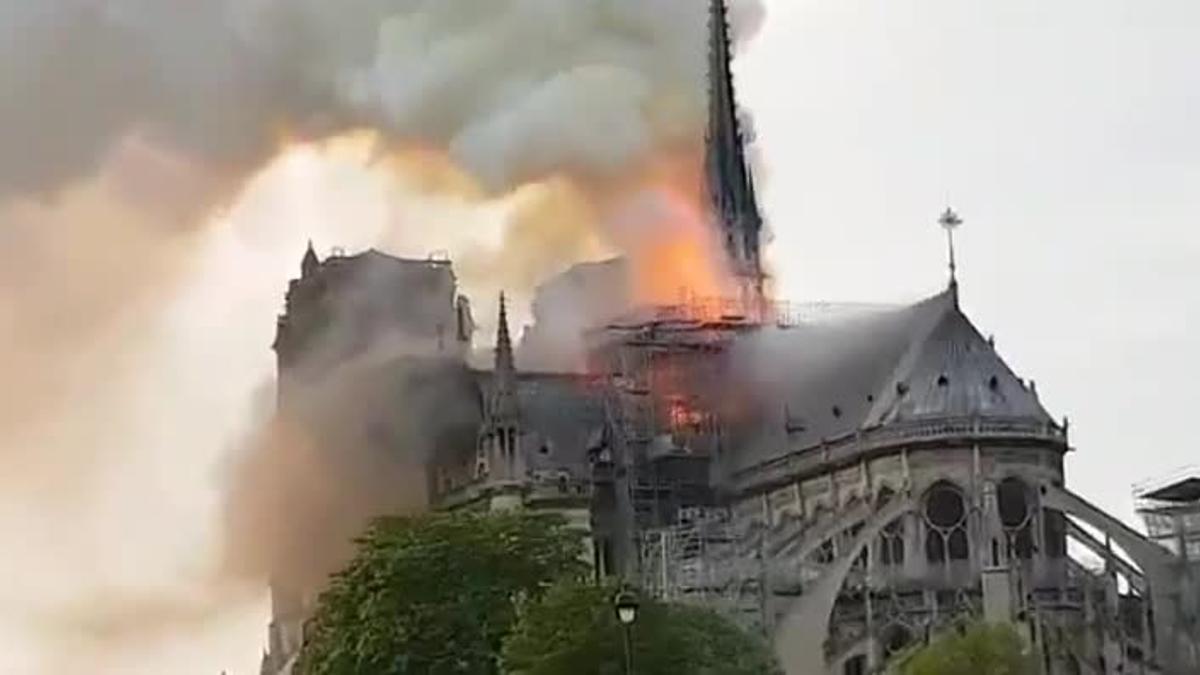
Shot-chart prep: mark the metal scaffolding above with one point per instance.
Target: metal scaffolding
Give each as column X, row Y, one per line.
column 705, row 559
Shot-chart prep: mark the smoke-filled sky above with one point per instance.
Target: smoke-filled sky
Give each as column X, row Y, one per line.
column 154, row 200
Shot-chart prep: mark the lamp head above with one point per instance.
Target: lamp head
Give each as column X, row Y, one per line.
column 626, row 604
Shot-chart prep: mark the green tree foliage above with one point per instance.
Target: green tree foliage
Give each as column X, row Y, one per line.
column 436, row 594
column 977, row 649
column 573, row 630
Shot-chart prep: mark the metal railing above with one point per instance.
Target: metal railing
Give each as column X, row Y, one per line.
column 813, row 457
column 693, row 309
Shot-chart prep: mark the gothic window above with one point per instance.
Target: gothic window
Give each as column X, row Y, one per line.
column 1016, row 515
column 946, row 524
column 944, row 507
column 935, row 547
column 1012, row 501
column 856, row 665
column 891, row 544
column 957, row 543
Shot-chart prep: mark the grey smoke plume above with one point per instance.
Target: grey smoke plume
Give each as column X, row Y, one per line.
column 352, row 447
column 513, row 89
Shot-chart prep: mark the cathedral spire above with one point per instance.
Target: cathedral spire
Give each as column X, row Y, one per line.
column 729, row 183
column 505, row 391
column 505, row 363
column 310, row 262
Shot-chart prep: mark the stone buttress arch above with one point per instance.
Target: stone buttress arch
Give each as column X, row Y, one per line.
column 1157, row 563
column 800, row 638
column 803, row 544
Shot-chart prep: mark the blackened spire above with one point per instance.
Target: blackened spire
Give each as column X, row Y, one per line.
column 504, row 350
column 729, row 182
column 505, row 392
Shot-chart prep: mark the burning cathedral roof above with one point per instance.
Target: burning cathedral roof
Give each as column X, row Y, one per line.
column 784, row 390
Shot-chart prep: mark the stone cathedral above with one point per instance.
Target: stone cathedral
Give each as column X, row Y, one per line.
column 846, row 480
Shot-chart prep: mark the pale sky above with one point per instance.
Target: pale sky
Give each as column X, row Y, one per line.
column 1065, row 134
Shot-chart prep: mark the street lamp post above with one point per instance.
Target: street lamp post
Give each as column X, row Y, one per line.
column 626, row 605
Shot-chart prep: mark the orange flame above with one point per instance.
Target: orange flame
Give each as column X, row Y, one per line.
column 675, row 252
column 679, row 259
column 662, row 224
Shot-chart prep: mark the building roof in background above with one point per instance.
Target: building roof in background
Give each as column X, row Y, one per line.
column 1182, row 492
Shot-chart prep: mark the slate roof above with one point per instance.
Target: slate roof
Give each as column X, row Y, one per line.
column 565, row 410
column 1184, row 491
column 822, row 381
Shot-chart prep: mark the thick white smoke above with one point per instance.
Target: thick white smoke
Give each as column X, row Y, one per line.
column 130, row 129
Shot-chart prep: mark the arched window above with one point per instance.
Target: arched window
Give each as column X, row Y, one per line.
column 1016, row 515
column 946, row 524
column 891, row 539
column 960, row 548
column 891, row 544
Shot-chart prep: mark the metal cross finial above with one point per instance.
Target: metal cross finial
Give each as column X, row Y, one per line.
column 950, row 222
